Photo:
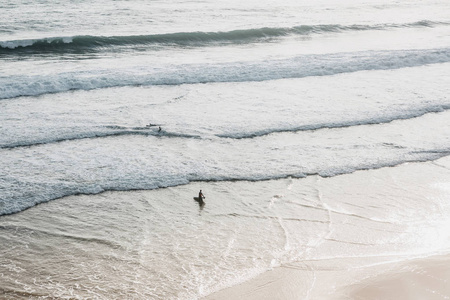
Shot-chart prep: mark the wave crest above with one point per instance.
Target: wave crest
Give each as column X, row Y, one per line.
column 87, row 43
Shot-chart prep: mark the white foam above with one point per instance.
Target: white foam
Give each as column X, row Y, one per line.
column 29, row 42
column 298, row 67
column 16, row 44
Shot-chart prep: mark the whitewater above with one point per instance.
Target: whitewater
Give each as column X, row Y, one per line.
column 318, row 132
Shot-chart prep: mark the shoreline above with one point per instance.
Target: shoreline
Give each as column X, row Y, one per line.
column 409, row 278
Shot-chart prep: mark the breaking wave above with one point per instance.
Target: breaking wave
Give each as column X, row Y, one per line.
column 88, row 43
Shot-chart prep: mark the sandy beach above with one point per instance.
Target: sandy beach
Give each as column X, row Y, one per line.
column 415, row 279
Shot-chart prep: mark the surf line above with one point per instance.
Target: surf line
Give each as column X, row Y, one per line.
column 155, row 133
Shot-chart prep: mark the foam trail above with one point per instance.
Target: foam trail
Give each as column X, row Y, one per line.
column 109, row 131
column 297, row 67
column 370, row 121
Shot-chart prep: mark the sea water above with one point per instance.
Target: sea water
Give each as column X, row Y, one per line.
column 171, row 97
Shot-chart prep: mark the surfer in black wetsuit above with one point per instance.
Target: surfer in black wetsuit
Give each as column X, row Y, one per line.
column 199, row 199
column 159, row 130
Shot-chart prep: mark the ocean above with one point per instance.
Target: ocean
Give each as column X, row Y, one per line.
column 315, row 129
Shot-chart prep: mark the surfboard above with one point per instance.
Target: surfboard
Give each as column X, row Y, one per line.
column 199, row 201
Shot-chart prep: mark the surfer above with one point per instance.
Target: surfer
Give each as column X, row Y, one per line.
column 199, row 200
column 159, row 130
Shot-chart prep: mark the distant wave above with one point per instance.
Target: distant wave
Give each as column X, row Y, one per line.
column 87, row 43
column 297, row 67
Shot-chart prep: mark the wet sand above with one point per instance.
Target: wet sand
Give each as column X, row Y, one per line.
column 421, row 278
